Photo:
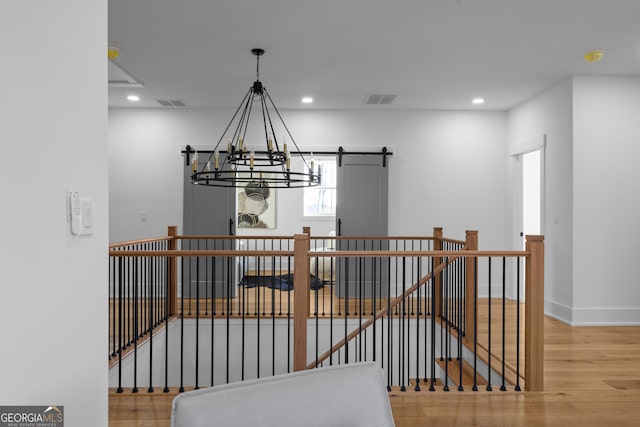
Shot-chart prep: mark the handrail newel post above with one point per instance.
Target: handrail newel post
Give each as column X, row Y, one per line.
column 437, row 295
column 301, row 283
column 172, row 288
column 471, row 243
column 534, row 314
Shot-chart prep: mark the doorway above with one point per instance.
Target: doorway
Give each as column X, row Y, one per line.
column 529, row 184
column 531, row 194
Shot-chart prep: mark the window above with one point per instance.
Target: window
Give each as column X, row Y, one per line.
column 321, row 200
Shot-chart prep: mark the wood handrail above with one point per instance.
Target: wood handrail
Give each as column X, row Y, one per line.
column 140, row 241
column 311, row 254
column 200, row 252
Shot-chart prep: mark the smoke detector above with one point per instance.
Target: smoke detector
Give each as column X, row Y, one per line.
column 113, row 51
column 594, row 55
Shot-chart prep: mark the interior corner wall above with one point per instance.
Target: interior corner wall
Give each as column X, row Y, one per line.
column 606, row 180
column 550, row 113
column 447, row 170
column 53, row 310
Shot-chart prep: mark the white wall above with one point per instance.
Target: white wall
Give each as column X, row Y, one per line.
column 53, row 311
column 447, row 168
column 591, row 188
column 551, row 114
column 606, row 199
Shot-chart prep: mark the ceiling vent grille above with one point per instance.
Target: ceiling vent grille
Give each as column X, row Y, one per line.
column 171, row 102
column 378, row 99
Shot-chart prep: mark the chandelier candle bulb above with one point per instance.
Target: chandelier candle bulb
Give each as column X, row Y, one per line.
column 216, row 159
column 270, row 144
column 251, row 159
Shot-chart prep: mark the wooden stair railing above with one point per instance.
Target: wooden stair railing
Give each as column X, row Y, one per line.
column 534, row 290
column 534, row 297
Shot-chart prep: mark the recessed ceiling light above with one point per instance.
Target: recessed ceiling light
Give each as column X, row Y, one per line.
column 307, row 100
column 478, row 101
column 133, row 98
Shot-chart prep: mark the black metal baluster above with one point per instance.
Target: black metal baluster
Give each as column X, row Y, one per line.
column 206, row 286
column 374, row 306
column 228, row 275
column 503, row 386
column 464, row 296
column 190, row 276
column 120, row 321
column 289, row 316
column 150, row 389
column 333, row 287
column 128, row 317
column 346, row 299
column 273, row 315
column 489, row 388
column 168, row 274
column 197, row 366
column 141, row 328
column 446, row 329
column 418, row 309
column 346, row 305
column 427, row 316
column 258, row 319
column 518, row 324
column 213, row 315
column 113, row 280
column 316, row 310
column 136, row 283
column 181, row 389
column 403, row 312
column 389, row 329
column 433, row 329
column 460, row 311
column 475, row 324
column 360, row 303
column 243, row 335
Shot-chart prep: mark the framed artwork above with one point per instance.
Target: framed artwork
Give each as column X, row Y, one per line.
column 256, row 206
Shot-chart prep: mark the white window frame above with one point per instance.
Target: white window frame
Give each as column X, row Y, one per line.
column 326, row 183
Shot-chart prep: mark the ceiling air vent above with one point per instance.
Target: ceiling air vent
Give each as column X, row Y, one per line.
column 378, row 99
column 171, row 102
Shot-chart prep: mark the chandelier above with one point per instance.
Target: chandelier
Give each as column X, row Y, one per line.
column 242, row 164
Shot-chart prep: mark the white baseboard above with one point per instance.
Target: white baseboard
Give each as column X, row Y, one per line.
column 593, row 316
column 600, row 316
column 558, row 311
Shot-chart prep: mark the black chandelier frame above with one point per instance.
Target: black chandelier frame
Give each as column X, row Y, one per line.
column 238, row 165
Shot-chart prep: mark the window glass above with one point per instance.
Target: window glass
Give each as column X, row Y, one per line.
column 321, row 200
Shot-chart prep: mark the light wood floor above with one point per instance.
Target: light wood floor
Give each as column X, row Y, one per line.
column 592, row 378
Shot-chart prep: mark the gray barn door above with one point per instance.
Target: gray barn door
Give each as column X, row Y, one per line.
column 362, row 205
column 208, row 211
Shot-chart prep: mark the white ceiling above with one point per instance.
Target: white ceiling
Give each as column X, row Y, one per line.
column 434, row 54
